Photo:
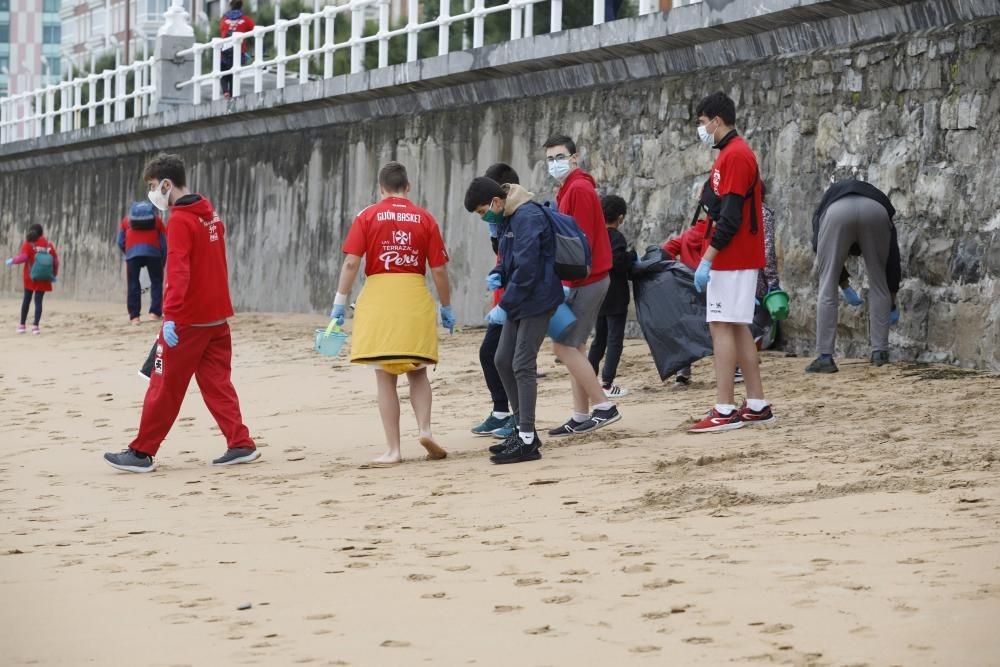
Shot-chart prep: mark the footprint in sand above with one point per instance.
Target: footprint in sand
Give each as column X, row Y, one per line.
column 394, row 643
column 557, row 599
column 776, row 628
column 645, row 649
column 637, row 569
column 319, row 617
column 434, row 596
column 543, row 630
column 657, row 584
column 419, row 577
column 698, row 640
column 505, row 608
column 529, row 581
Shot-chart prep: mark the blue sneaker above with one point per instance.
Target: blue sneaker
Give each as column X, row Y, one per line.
column 491, row 424
column 504, row 432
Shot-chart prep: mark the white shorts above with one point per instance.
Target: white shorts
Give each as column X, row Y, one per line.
column 731, row 296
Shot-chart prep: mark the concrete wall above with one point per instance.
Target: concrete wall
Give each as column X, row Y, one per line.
column 904, row 95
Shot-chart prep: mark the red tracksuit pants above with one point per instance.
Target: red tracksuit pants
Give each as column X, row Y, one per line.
column 206, row 353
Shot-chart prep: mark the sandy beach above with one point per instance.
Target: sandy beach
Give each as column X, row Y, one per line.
column 862, row 529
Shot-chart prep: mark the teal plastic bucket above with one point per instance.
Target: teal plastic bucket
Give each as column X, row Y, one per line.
column 776, row 303
column 561, row 320
column 329, row 342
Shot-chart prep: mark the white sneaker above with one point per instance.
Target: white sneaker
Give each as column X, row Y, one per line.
column 614, row 391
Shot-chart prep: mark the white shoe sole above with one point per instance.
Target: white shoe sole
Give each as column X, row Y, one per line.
column 252, row 456
column 719, row 429
column 149, row 468
column 600, row 425
column 620, row 394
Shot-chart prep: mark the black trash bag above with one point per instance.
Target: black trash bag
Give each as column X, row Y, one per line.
column 671, row 313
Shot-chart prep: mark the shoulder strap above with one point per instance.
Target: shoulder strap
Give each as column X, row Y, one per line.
column 754, row 208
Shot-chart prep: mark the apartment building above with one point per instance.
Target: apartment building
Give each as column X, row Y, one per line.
column 29, row 45
column 96, row 27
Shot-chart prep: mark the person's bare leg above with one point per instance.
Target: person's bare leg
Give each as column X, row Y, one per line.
column 725, row 353
column 388, row 409
column 749, row 362
column 422, row 398
column 587, row 389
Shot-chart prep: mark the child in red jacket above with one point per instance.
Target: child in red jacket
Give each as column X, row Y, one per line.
column 195, row 339
column 37, row 279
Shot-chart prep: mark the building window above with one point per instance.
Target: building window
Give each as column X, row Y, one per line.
column 4, row 63
column 69, row 30
column 4, row 32
column 51, row 34
column 97, row 18
column 4, row 5
column 55, row 66
column 48, row 5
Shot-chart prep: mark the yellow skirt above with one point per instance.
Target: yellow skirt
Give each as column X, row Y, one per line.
column 395, row 324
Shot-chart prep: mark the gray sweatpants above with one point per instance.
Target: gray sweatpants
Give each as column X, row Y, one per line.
column 517, row 363
column 853, row 219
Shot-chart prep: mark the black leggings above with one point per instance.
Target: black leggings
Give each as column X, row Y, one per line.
column 39, row 295
column 487, row 352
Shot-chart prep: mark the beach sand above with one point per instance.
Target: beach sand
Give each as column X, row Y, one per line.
column 862, row 529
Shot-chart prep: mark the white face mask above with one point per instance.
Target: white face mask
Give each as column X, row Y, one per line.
column 705, row 136
column 158, row 197
column 559, row 169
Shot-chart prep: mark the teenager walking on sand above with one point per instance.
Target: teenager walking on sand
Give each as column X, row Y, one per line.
column 395, row 328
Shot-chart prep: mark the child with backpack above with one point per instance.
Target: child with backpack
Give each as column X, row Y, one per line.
column 41, row 266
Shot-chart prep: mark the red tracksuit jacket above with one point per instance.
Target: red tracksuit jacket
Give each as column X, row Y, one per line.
column 197, row 277
column 578, row 198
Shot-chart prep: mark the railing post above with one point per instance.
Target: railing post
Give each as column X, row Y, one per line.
column 106, row 101
column 169, row 69
column 478, row 23
column 412, row 19
column 216, row 69
column 383, row 29
column 92, row 99
column 279, row 47
column 258, row 60
column 39, row 114
column 328, row 41
column 555, row 16
column 516, row 20
column 77, row 103
column 357, row 32
column 237, row 68
column 303, row 48
column 121, row 90
column 196, row 61
column 444, row 27
column 529, row 20
column 598, row 12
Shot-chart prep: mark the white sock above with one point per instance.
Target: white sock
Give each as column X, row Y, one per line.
column 756, row 404
column 501, row 415
column 606, row 405
column 528, row 438
column 724, row 408
column 580, row 417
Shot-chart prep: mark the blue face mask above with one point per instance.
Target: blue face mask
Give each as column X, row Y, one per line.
column 559, row 169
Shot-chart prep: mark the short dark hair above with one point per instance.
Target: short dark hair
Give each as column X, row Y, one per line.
column 236, row 4
column 560, row 140
column 613, row 206
column 392, row 177
column 501, row 172
column 35, row 232
column 718, row 104
column 481, row 191
column 166, row 166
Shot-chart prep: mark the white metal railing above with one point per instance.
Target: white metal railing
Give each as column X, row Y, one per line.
column 86, row 101
column 358, row 12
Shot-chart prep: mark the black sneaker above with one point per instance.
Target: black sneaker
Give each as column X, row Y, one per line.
column 880, row 358
column 519, row 451
column 682, row 380
column 505, row 443
column 131, row 461
column 599, row 419
column 822, row 365
column 237, row 455
column 569, row 428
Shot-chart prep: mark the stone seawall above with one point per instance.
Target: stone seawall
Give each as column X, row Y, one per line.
column 912, row 107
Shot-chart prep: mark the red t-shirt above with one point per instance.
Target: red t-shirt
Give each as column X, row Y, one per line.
column 29, row 250
column 394, row 236
column 690, row 245
column 734, row 171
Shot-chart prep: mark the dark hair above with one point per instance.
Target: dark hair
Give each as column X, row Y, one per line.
column 560, row 140
column 392, row 177
column 501, row 172
column 236, row 4
column 34, row 233
column 613, row 206
column 166, row 166
column 718, row 104
column 481, row 191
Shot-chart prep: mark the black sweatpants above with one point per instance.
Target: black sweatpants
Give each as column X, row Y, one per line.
column 39, row 295
column 487, row 359
column 609, row 336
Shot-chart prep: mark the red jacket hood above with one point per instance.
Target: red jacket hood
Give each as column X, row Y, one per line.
column 575, row 178
column 201, row 208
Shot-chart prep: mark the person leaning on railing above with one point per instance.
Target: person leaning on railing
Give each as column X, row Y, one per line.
column 232, row 22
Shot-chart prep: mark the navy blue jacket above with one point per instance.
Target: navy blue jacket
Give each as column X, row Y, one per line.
column 528, row 264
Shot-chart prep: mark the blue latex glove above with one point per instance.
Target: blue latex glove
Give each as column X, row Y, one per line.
column 773, row 288
column 496, row 316
column 566, row 291
column 851, row 297
column 10, row 260
column 338, row 313
column 702, row 276
column 447, row 319
column 494, row 281
column 894, row 317
column 170, row 333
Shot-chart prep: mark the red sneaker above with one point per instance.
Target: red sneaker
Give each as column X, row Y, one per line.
column 749, row 416
column 715, row 421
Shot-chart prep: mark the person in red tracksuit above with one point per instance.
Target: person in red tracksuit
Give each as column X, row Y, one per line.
column 195, row 338
column 232, row 22
column 35, row 242
column 732, row 256
column 577, row 198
